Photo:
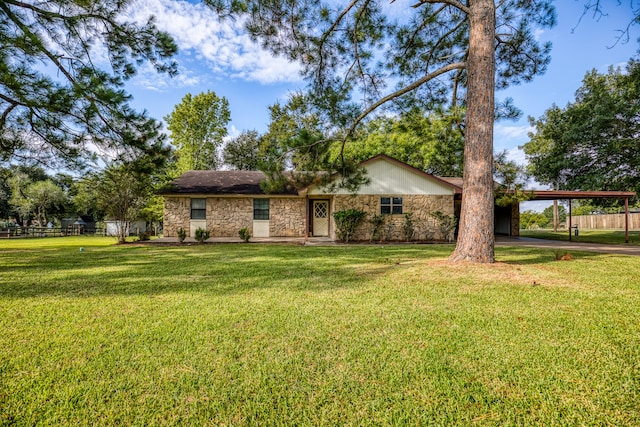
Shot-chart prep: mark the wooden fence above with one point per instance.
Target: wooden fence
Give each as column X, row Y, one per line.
column 608, row 221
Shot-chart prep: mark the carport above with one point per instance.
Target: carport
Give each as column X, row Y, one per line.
column 571, row 195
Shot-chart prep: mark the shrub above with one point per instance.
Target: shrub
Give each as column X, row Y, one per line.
column 181, row 234
column 387, row 231
column 446, row 224
column 142, row 237
column 347, row 221
column 244, row 234
column 377, row 224
column 408, row 227
column 201, row 235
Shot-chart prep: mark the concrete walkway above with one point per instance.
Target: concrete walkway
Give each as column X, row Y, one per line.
column 311, row 241
column 500, row 241
column 567, row 246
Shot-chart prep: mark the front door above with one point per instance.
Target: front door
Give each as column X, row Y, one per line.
column 320, row 217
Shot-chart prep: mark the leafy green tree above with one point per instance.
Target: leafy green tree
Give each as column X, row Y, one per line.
column 22, row 206
column 38, row 200
column 361, row 57
column 533, row 220
column 121, row 193
column 592, row 143
column 57, row 99
column 6, row 209
column 84, row 193
column 198, row 125
column 243, row 151
column 562, row 214
column 296, row 149
column 153, row 211
column 13, row 179
column 295, row 136
column 512, row 179
column 47, row 199
column 432, row 143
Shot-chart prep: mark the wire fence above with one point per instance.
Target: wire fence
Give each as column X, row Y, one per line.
column 26, row 232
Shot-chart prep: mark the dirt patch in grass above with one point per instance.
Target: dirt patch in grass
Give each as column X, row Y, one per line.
column 498, row 272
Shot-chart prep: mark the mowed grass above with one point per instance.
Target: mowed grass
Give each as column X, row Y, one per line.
column 249, row 334
column 609, row 237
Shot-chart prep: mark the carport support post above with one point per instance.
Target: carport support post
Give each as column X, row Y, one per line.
column 570, row 227
column 626, row 220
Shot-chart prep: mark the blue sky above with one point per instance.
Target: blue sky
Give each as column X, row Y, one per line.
column 220, row 57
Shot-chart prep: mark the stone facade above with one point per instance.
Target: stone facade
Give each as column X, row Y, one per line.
column 177, row 214
column 515, row 219
column 227, row 215
column 287, row 217
column 421, row 206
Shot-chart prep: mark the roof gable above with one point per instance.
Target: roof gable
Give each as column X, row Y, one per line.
column 390, row 176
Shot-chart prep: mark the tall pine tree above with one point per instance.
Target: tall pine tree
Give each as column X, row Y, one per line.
column 63, row 66
column 364, row 57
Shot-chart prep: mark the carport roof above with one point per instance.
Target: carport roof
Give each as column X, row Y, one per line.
column 563, row 195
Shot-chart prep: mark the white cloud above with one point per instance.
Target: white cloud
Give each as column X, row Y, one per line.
column 536, row 206
column 516, row 155
column 148, row 78
column 223, row 46
column 537, row 34
column 512, row 132
column 232, row 132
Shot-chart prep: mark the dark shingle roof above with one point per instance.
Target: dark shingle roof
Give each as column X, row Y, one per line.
column 219, row 182
column 455, row 181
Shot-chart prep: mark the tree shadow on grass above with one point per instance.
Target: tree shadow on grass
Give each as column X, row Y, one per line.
column 209, row 269
column 220, row 269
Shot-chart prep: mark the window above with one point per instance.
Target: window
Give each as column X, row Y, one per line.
column 260, row 209
column 198, row 208
column 391, row 205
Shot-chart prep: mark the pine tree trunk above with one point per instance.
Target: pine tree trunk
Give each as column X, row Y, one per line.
column 476, row 238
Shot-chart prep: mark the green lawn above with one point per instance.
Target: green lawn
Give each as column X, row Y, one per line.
column 249, row 334
column 612, row 237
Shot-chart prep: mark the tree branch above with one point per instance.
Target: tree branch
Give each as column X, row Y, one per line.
column 402, row 91
column 36, row 41
column 51, row 14
column 331, row 29
column 453, row 3
column 424, row 24
column 441, row 39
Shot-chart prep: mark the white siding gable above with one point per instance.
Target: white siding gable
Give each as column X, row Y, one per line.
column 389, row 178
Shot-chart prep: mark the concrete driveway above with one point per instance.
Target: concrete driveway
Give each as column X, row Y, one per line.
column 568, row 246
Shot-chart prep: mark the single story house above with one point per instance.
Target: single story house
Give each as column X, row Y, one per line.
column 223, row 202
